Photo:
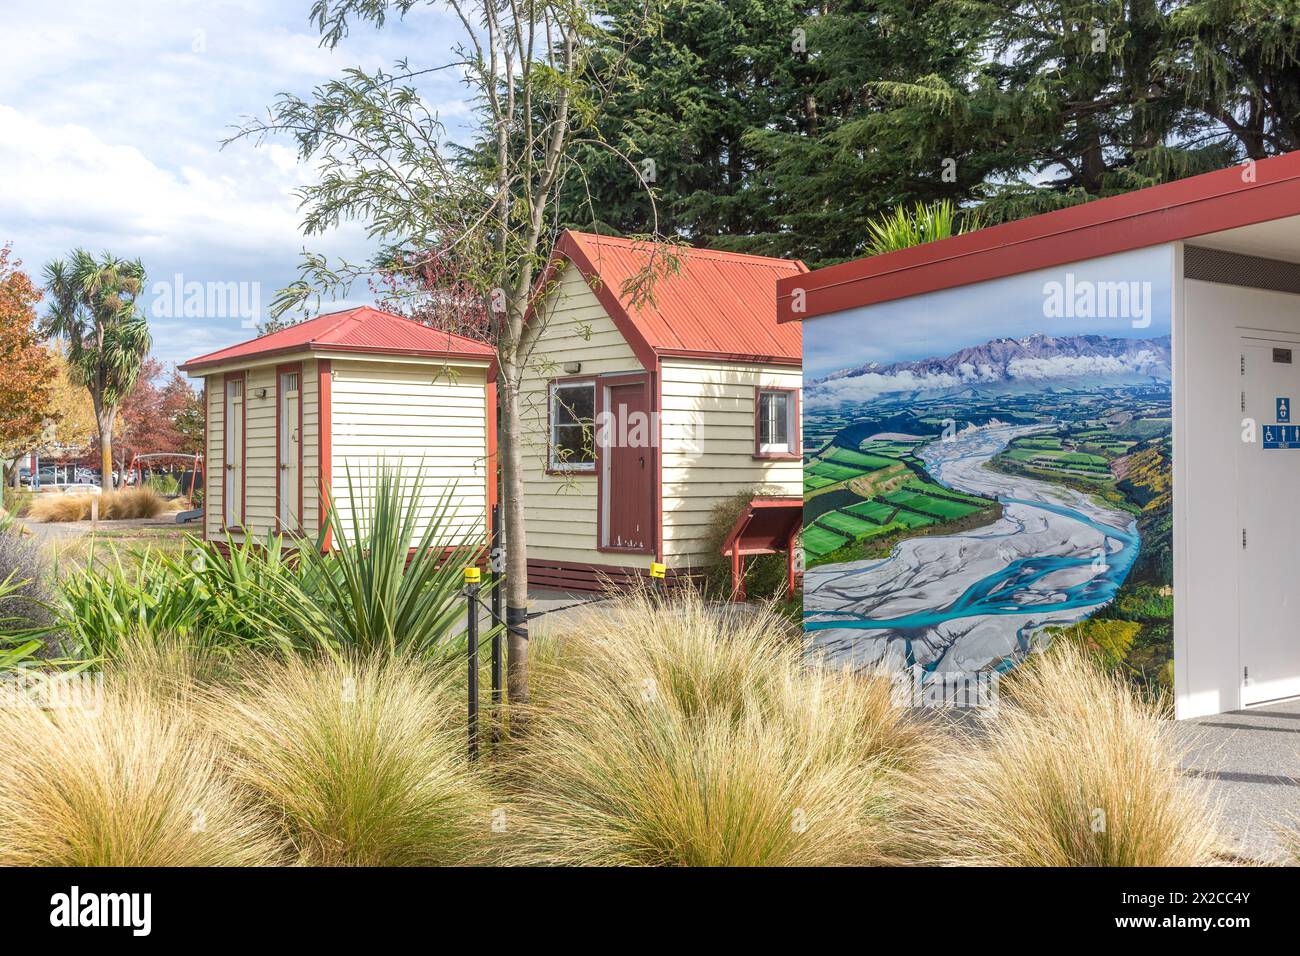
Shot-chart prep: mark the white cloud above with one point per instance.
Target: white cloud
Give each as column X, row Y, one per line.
column 1071, row 366
column 864, row 388
column 111, row 122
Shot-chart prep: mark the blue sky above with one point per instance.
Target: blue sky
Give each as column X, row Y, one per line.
column 111, row 121
column 941, row 323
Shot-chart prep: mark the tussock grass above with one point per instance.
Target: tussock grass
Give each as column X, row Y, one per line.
column 686, row 733
column 142, row 502
column 1074, row 771
column 132, row 783
column 362, row 758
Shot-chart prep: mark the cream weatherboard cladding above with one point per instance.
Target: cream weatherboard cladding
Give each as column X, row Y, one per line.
column 422, row 419
column 707, row 434
column 560, row 510
column 708, row 415
column 260, row 452
column 411, row 414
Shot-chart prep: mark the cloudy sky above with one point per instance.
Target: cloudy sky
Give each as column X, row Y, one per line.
column 111, row 121
column 941, row 323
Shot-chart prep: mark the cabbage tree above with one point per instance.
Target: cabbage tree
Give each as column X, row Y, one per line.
column 106, row 337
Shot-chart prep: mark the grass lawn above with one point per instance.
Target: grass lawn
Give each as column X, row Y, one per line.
column 818, row 540
column 110, row 543
column 848, row 524
column 877, row 511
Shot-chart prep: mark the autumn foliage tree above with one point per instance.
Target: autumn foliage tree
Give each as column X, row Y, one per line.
column 431, row 287
column 72, row 417
column 26, row 368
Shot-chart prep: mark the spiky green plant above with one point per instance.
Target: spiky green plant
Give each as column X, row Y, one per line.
column 393, row 579
column 901, row 229
column 223, row 600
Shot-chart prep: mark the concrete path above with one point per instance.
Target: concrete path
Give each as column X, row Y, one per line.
column 551, row 608
column 1252, row 760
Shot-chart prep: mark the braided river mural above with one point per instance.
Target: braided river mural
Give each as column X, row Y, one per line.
column 988, row 468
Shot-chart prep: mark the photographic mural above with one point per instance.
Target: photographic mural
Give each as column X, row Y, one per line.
column 988, row 468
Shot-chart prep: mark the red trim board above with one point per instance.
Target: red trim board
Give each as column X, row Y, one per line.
column 325, row 442
column 1212, row 202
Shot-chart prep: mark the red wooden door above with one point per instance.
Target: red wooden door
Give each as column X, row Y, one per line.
column 629, row 496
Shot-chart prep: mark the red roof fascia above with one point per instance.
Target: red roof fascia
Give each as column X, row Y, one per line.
column 1211, row 202
column 568, row 248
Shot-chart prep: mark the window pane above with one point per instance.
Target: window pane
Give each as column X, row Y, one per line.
column 774, row 420
column 573, row 413
column 574, row 404
column 572, row 445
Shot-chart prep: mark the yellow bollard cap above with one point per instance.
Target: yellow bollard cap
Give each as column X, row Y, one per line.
column 658, row 570
column 472, row 575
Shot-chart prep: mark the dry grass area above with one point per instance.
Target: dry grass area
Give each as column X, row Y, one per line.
column 361, row 760
column 692, row 734
column 128, row 503
column 133, row 782
column 663, row 732
column 1074, row 771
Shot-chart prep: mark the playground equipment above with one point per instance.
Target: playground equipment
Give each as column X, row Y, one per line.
column 135, row 475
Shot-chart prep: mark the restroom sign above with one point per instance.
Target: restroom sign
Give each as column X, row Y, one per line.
column 1282, row 436
column 1283, row 410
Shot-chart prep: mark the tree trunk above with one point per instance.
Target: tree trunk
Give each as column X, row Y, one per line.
column 512, row 502
column 104, row 419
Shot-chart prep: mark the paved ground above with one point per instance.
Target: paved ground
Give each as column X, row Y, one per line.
column 1252, row 759
column 553, row 607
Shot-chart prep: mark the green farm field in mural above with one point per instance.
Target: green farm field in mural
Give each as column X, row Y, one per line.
column 1009, row 487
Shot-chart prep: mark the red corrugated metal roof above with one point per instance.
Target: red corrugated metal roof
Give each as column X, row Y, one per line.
column 716, row 305
column 355, row 330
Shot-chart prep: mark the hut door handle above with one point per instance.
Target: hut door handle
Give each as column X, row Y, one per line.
column 643, row 461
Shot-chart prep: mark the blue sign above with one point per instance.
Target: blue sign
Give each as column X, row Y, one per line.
column 1283, row 410
column 1281, row 436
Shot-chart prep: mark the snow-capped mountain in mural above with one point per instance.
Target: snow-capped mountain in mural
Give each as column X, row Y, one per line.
column 1008, row 363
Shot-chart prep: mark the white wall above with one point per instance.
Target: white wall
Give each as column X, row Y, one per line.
column 423, row 419
column 1208, row 321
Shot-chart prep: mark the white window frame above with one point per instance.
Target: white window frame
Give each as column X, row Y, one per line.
column 790, row 445
column 552, row 463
